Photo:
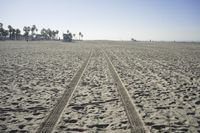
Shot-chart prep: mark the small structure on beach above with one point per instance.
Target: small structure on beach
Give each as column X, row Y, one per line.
column 39, row 37
column 67, row 37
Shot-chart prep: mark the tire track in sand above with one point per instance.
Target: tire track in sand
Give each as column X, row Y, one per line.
column 137, row 125
column 95, row 105
column 48, row 125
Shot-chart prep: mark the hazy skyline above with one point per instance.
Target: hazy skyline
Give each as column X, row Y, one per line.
column 108, row 19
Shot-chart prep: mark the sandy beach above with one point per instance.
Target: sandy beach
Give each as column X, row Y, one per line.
column 161, row 78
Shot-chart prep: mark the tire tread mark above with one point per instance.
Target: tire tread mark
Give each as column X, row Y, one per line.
column 48, row 125
column 137, row 125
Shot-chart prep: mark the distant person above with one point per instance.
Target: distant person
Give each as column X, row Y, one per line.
column 26, row 39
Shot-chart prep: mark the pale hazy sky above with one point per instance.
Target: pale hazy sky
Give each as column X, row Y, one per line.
column 108, row 19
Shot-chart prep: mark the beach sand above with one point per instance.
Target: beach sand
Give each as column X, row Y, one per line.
column 162, row 78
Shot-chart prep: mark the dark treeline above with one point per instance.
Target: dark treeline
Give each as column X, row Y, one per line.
column 68, row 37
column 31, row 33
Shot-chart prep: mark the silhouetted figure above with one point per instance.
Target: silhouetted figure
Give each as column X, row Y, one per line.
column 26, row 39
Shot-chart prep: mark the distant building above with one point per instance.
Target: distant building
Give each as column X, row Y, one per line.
column 67, row 37
column 39, row 37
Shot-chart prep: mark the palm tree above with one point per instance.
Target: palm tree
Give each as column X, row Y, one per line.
column 74, row 36
column 54, row 32
column 18, row 33
column 13, row 34
column 57, row 32
column 5, row 33
column 1, row 25
column 80, row 35
column 44, row 33
column 26, row 29
column 1, row 30
column 33, row 29
column 49, row 32
column 10, row 31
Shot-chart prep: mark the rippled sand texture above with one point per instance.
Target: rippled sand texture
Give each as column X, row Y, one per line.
column 33, row 77
column 162, row 78
column 164, row 82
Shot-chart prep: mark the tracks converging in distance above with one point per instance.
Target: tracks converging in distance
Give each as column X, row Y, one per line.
column 48, row 125
column 137, row 125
